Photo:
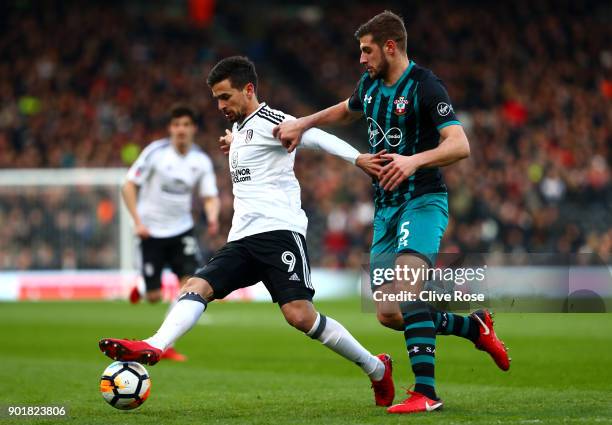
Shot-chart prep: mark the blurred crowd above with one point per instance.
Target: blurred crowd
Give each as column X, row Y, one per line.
column 59, row 228
column 532, row 82
column 90, row 85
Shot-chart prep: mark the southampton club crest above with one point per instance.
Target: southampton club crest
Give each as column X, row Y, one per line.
column 400, row 105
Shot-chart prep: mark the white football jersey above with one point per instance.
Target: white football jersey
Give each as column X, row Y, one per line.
column 266, row 191
column 167, row 183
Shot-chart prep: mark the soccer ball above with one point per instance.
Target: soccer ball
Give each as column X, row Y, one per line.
column 125, row 385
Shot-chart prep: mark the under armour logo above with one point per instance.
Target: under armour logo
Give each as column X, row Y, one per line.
column 377, row 135
column 414, row 349
column 367, row 99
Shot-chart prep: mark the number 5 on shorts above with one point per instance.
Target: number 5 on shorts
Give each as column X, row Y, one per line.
column 404, row 232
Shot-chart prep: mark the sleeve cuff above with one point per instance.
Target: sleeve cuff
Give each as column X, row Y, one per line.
column 446, row 124
column 350, row 108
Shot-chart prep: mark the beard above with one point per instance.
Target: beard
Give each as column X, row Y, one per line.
column 382, row 70
column 235, row 117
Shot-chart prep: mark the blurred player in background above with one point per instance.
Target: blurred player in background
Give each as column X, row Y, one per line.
column 159, row 194
column 411, row 117
column 267, row 240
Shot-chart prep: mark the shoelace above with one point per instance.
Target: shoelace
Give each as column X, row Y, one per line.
column 409, row 390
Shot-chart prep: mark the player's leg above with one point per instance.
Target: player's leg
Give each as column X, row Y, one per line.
column 183, row 256
column 424, row 224
column 302, row 315
column 448, row 323
column 413, row 319
column 478, row 328
column 286, row 272
column 186, row 312
column 416, row 228
column 230, row 269
column 419, row 332
column 151, row 265
column 382, row 257
column 190, row 305
column 388, row 313
column 138, row 291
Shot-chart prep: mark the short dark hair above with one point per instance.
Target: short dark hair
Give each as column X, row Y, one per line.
column 239, row 69
column 385, row 26
column 180, row 110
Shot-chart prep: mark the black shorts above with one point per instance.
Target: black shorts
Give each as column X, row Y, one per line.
column 180, row 252
column 279, row 259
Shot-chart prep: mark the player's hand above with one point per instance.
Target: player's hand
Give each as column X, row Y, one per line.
column 289, row 133
column 141, row 231
column 213, row 228
column 226, row 141
column 370, row 163
column 398, row 169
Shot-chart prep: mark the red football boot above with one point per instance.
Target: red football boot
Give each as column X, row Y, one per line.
column 135, row 295
column 384, row 390
column 416, row 402
column 172, row 354
column 489, row 342
column 127, row 350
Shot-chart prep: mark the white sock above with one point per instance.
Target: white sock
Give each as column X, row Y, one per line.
column 335, row 337
column 141, row 287
column 179, row 320
column 170, row 307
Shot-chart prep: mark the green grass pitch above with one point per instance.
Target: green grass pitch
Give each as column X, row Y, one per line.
column 248, row 367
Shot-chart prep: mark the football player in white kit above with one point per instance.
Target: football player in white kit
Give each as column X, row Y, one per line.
column 158, row 193
column 267, row 240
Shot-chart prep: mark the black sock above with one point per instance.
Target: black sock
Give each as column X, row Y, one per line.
column 454, row 324
column 420, row 336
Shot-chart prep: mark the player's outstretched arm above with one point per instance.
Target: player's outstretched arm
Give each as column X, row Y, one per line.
column 371, row 163
column 212, row 207
column 453, row 147
column 315, row 138
column 290, row 132
column 209, row 192
column 137, row 175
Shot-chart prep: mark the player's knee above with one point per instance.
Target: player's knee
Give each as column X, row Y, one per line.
column 199, row 286
column 300, row 322
column 299, row 318
column 390, row 320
